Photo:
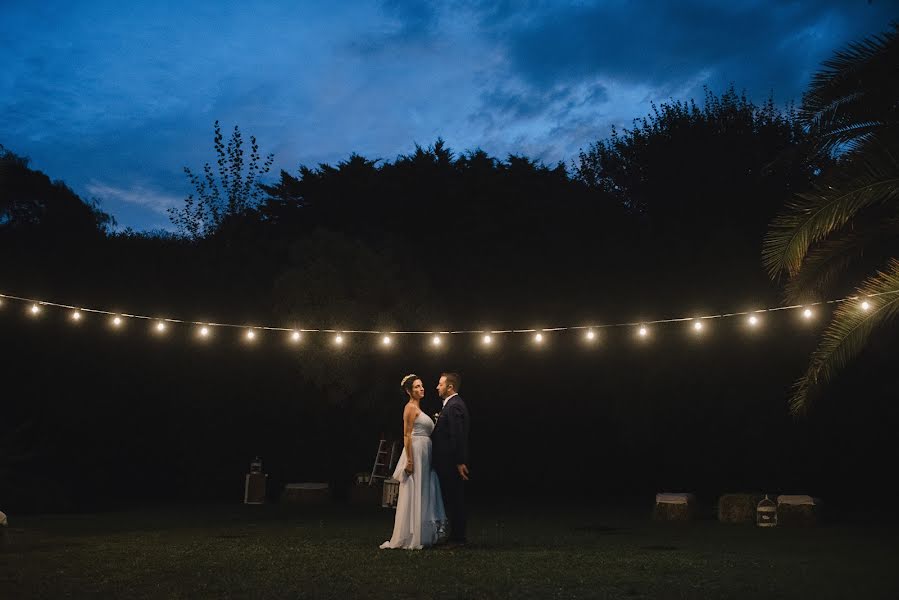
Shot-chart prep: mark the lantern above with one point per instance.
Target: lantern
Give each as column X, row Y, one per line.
column 390, row 493
column 766, row 513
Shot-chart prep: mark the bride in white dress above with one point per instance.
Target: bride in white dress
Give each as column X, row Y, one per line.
column 419, row 506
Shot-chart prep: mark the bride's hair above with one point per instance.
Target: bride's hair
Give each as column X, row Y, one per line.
column 407, row 383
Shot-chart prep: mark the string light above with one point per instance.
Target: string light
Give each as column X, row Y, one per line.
column 753, row 319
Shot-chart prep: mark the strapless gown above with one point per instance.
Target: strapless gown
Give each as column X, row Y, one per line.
column 419, row 506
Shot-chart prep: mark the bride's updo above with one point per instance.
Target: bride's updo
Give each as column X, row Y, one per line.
column 407, row 383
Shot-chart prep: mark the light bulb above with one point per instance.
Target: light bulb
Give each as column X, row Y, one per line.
column 487, row 340
column 435, row 340
column 116, row 321
column 697, row 325
column 866, row 305
column 251, row 335
column 76, row 316
column 643, row 332
column 807, row 313
column 753, row 320
column 338, row 339
column 204, row 331
column 160, row 326
column 538, row 338
column 295, row 336
column 386, row 340
column 590, row 335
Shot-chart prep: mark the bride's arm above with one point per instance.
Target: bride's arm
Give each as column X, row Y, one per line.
column 408, row 424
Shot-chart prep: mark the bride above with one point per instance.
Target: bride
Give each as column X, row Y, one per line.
column 419, row 506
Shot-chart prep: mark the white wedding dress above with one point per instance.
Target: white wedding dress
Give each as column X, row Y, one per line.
column 419, row 506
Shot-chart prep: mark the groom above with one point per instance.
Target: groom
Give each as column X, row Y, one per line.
column 450, row 446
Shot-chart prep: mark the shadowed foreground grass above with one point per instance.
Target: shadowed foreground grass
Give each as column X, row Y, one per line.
column 332, row 552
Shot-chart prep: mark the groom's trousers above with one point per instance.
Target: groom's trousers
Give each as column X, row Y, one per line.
column 453, row 489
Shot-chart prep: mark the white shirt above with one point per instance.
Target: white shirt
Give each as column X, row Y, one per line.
column 447, row 399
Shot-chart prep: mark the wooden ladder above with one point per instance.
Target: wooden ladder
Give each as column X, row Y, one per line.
column 381, row 468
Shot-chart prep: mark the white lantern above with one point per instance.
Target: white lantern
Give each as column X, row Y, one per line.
column 390, row 493
column 766, row 513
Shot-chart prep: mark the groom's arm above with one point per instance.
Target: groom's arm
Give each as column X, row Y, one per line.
column 458, row 434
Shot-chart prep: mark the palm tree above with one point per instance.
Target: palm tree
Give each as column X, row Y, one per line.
column 846, row 230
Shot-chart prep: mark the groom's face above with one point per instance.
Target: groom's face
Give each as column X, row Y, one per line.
column 442, row 388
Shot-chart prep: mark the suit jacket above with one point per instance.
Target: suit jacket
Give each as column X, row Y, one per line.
column 450, row 435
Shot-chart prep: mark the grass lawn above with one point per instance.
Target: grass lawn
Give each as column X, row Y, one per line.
column 525, row 552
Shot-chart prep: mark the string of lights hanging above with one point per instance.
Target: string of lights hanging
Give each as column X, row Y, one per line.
column 590, row 332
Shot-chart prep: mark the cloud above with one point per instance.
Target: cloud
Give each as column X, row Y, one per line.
column 139, row 195
column 102, row 96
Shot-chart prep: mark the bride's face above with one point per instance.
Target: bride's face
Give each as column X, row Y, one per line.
column 418, row 390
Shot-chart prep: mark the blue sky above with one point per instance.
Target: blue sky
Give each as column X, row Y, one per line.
column 115, row 98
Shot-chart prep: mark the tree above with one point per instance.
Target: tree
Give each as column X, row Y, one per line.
column 30, row 202
column 846, row 229
column 234, row 192
column 705, row 180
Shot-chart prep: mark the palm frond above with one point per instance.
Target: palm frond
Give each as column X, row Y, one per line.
column 848, row 332
column 858, row 84
column 831, row 257
column 870, row 177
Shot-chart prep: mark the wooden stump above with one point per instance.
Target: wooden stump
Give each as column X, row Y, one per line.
column 366, row 494
column 798, row 511
column 738, row 508
column 306, row 493
column 674, row 507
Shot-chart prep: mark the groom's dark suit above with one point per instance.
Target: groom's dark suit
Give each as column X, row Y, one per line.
column 450, row 446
